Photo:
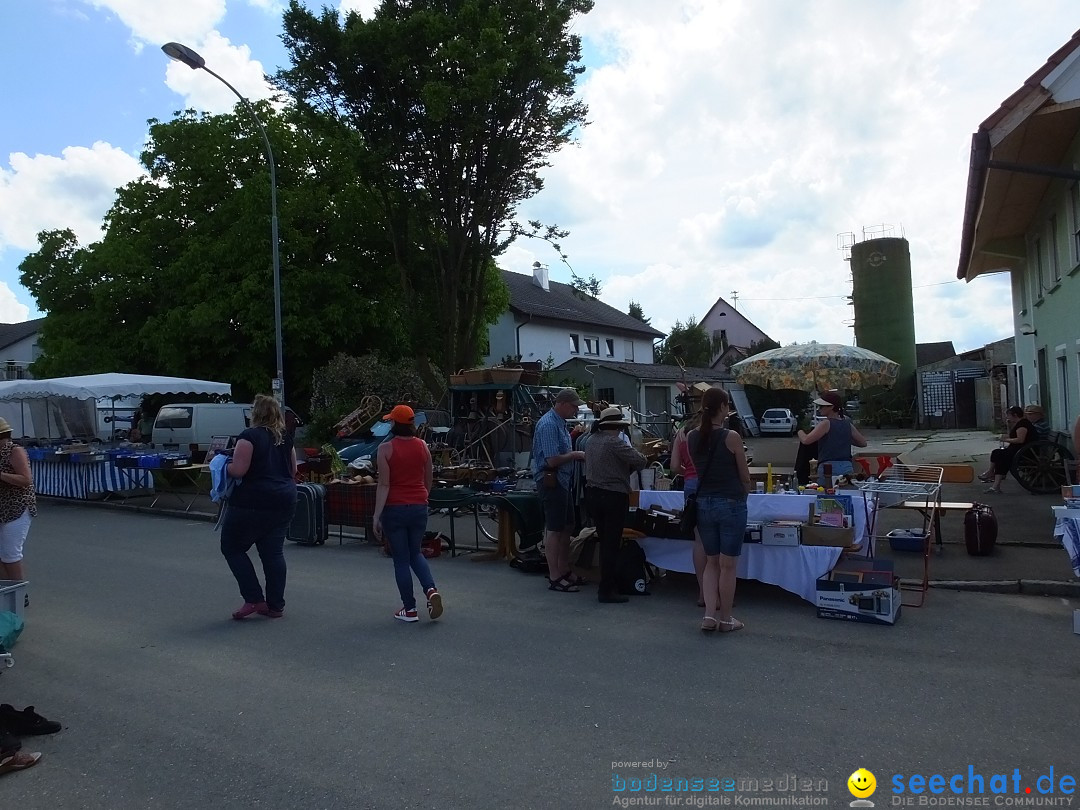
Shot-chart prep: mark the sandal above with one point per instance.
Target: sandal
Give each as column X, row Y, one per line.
column 709, row 625
column 730, row 625
column 19, row 761
column 562, row 585
column 576, row 580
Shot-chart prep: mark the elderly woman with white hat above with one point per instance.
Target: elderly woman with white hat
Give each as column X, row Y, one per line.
column 17, row 504
column 608, row 464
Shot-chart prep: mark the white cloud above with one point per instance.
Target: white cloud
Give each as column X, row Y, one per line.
column 193, row 23
column 232, row 62
column 74, row 190
column 365, row 8
column 730, row 142
column 159, row 21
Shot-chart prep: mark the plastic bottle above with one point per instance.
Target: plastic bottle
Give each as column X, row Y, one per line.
column 769, row 480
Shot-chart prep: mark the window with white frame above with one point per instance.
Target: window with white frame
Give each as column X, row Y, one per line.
column 575, row 344
column 1074, row 205
column 1040, row 268
column 1052, row 261
column 1066, row 402
column 609, row 347
column 628, row 351
column 592, row 346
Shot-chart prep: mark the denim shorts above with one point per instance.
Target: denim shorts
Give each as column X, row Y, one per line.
column 721, row 524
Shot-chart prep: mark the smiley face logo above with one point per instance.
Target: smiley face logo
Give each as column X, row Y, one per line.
column 862, row 783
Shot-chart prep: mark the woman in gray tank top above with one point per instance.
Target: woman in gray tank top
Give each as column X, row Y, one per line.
column 834, row 436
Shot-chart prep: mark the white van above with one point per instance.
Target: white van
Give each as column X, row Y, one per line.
column 190, row 426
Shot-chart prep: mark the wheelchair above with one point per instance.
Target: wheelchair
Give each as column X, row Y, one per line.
column 1044, row 466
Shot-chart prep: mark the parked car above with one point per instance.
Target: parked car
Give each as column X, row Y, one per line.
column 779, row 420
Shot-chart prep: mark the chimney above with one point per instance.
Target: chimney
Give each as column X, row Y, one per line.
column 540, row 276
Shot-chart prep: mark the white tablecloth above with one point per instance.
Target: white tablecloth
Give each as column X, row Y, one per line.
column 793, row 568
column 1067, row 527
column 67, row 479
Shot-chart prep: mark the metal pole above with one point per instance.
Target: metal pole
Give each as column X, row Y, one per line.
column 278, row 383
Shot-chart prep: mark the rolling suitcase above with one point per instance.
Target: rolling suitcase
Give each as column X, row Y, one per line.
column 309, row 527
column 980, row 530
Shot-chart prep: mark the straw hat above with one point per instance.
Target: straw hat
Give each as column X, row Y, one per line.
column 4, row 426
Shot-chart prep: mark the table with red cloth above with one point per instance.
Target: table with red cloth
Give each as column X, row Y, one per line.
column 351, row 505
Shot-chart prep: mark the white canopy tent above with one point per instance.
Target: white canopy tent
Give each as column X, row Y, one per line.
column 108, row 386
column 55, row 419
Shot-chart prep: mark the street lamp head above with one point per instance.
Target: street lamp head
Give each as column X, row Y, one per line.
column 182, row 53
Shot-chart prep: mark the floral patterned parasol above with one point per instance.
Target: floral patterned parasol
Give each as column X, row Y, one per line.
column 817, row 367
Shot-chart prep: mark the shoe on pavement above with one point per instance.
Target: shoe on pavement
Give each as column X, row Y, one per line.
column 407, row 615
column 19, row 761
column 25, row 723
column 434, row 603
column 248, row 608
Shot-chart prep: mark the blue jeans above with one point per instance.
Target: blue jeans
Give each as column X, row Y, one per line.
column 838, row 468
column 404, row 527
column 721, row 524
column 265, row 529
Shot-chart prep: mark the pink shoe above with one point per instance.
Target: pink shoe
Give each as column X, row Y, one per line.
column 248, row 608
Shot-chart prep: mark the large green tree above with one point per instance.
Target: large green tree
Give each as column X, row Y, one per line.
column 181, row 282
column 458, row 105
column 689, row 344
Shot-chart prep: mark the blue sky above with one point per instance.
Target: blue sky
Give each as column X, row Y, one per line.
column 729, row 142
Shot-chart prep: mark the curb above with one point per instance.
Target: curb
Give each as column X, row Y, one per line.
column 125, row 507
column 1027, row 587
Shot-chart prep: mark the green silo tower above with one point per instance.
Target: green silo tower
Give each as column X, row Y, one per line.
column 884, row 311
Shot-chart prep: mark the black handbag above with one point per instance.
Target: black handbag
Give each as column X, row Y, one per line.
column 688, row 520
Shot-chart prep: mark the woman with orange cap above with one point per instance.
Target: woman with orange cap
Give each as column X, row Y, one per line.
column 401, row 510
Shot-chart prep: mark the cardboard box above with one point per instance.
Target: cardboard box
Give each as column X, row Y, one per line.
column 780, row 534
column 820, row 535
column 753, row 533
column 1070, row 491
column 865, row 591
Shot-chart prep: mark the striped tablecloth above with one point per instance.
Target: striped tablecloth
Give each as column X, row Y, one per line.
column 66, row 479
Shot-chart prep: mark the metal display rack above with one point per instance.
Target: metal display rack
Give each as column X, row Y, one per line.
column 904, row 484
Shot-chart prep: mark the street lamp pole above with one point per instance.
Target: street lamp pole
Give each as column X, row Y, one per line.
column 182, row 53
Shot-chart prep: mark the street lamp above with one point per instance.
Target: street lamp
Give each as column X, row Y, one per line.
column 182, row 53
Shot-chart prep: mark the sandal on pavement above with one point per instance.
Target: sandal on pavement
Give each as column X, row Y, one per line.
column 563, row 585
column 992, row 490
column 19, row 761
column 730, row 625
column 576, row 580
column 709, row 625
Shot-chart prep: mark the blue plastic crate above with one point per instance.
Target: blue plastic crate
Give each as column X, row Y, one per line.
column 906, row 539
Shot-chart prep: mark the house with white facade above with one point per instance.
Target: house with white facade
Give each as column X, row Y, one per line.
column 19, row 348
column 728, row 328
column 1022, row 217
column 551, row 322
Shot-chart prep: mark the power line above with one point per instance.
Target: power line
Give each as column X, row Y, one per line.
column 823, row 297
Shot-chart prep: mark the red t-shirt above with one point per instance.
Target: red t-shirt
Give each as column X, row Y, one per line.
column 407, row 464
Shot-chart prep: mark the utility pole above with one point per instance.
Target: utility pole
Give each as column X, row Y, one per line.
column 734, row 299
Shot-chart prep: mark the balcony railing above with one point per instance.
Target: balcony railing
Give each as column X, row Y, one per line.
column 12, row 370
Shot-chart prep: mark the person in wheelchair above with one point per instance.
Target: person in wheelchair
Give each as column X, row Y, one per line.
column 1021, row 432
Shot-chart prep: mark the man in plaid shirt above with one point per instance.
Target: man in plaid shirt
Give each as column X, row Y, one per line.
column 553, row 454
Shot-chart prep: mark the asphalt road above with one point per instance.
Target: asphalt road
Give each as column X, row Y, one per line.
column 517, row 698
